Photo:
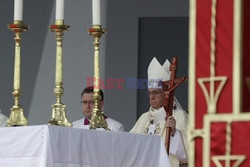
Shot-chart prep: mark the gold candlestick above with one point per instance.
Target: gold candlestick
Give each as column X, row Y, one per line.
column 17, row 117
column 97, row 118
column 59, row 109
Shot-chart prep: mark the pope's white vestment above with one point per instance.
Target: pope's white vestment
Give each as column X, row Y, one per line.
column 178, row 142
column 3, row 120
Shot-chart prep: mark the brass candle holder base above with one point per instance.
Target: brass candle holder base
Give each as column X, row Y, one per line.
column 17, row 117
column 97, row 118
column 59, row 116
column 59, row 110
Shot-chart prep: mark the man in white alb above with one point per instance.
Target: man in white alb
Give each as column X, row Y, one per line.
column 87, row 108
column 153, row 121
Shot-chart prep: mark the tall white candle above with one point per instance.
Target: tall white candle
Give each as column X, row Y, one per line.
column 18, row 10
column 59, row 9
column 96, row 12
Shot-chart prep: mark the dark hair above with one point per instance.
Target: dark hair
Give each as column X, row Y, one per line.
column 90, row 89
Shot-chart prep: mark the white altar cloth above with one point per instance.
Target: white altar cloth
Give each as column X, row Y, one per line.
column 52, row 146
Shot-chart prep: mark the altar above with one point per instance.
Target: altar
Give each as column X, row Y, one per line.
column 54, row 146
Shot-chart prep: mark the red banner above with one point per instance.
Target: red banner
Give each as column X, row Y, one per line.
column 219, row 86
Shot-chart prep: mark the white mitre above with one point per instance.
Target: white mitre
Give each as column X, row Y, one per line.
column 166, row 67
column 156, row 73
column 3, row 119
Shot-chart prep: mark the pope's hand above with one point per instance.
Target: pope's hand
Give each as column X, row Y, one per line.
column 170, row 123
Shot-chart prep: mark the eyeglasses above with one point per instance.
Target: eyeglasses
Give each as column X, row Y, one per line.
column 154, row 93
column 83, row 102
